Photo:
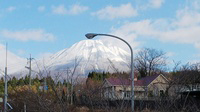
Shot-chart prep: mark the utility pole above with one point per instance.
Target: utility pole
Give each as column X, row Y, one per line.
column 29, row 61
column 6, row 86
column 24, row 107
column 45, row 84
column 71, row 98
column 72, row 91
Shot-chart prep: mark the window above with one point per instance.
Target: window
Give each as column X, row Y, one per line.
column 150, row 94
column 198, row 86
column 127, row 94
column 161, row 93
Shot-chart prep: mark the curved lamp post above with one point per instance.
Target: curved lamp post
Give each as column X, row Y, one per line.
column 92, row 35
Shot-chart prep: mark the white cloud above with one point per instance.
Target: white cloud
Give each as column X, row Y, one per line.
column 188, row 35
column 59, row 9
column 41, row 8
column 170, row 54
column 197, row 45
column 73, row 10
column 76, row 9
column 194, row 61
column 21, row 52
column 187, row 18
column 11, row 8
column 196, row 4
column 2, row 47
column 151, row 4
column 183, row 29
column 110, row 12
column 155, row 3
column 125, row 35
column 26, row 35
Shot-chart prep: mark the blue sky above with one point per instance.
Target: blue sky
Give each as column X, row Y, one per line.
column 42, row 27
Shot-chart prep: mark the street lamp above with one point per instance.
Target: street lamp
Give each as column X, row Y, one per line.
column 92, row 35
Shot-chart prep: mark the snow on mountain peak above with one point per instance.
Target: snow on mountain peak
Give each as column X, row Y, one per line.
column 91, row 55
column 14, row 63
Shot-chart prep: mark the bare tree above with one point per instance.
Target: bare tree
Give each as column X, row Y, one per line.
column 186, row 75
column 150, row 61
column 184, row 80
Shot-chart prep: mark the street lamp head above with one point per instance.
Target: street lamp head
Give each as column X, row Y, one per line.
column 90, row 35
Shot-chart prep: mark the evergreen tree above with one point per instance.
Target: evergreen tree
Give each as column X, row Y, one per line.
column 36, row 80
column 2, row 80
column 14, row 81
column 1, row 86
column 20, row 82
column 26, row 80
column 98, row 76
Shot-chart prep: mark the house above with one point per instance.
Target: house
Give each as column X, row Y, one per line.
column 185, row 90
column 120, row 88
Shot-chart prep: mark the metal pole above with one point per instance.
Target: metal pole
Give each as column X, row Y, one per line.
column 71, row 92
column 5, row 91
column 30, row 71
column 132, row 85
column 6, row 86
column 24, row 107
column 45, row 84
column 92, row 35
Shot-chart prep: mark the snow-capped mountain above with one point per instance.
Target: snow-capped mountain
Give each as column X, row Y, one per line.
column 14, row 63
column 89, row 55
column 86, row 56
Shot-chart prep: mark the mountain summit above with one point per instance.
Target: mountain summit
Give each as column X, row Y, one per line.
column 90, row 55
column 85, row 56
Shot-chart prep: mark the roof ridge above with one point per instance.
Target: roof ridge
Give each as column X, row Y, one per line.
column 145, row 81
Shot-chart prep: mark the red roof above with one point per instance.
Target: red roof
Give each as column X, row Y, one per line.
column 139, row 83
column 119, row 81
column 148, row 79
column 142, row 82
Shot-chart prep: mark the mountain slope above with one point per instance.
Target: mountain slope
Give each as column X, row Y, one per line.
column 14, row 63
column 89, row 55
